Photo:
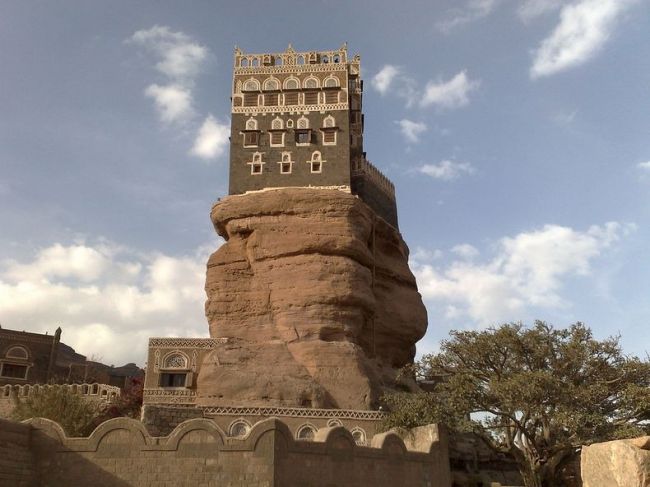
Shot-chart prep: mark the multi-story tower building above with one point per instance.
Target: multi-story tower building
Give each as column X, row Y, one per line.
column 297, row 121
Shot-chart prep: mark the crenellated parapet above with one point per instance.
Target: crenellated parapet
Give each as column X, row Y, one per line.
column 290, row 57
column 100, row 392
column 364, row 168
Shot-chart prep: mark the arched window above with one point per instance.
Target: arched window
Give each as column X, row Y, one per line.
column 301, row 59
column 278, row 61
column 331, row 82
column 359, row 436
column 251, row 84
column 257, row 164
column 291, row 84
column 239, row 428
column 175, row 361
column 255, row 63
column 329, row 122
column 244, row 63
column 326, row 59
column 271, row 84
column 277, row 124
column 334, row 422
column 311, row 83
column 337, row 58
column 286, row 164
column 303, row 123
column 316, row 162
column 306, row 432
column 251, row 124
column 17, row 352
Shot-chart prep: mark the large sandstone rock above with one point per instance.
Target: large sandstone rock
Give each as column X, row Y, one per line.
column 315, row 295
column 622, row 463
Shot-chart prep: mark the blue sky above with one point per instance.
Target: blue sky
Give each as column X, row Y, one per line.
column 517, row 134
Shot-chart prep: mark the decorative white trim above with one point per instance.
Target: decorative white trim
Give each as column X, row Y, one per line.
column 293, row 412
column 290, row 108
column 175, row 342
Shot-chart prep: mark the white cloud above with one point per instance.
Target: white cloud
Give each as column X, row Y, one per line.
column 180, row 57
column 173, row 102
column 449, row 94
column 212, row 139
column 411, row 130
column 644, row 166
column 527, row 271
column 531, row 9
column 383, row 79
column 106, row 296
column 465, row 251
column 585, row 26
column 472, row 11
column 447, row 170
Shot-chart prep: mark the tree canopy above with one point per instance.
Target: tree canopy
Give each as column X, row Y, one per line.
column 535, row 393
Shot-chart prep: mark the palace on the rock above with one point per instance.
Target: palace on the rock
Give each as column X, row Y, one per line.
column 297, row 120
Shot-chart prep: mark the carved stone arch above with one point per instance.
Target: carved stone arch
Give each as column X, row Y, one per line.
column 311, row 82
column 271, row 84
column 190, row 425
column 332, row 423
column 251, row 84
column 176, row 360
column 140, row 436
column 306, row 432
column 291, row 83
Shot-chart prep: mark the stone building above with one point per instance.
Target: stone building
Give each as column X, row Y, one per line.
column 297, row 121
column 29, row 361
column 311, row 305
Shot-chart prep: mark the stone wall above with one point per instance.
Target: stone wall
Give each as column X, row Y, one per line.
column 120, row 453
column 16, row 462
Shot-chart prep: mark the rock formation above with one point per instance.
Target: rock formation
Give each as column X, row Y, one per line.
column 314, row 294
column 622, row 463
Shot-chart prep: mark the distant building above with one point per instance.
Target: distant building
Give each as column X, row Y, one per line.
column 35, row 358
column 297, row 121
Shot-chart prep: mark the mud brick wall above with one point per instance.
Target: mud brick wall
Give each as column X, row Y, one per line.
column 121, row 453
column 16, row 463
column 161, row 420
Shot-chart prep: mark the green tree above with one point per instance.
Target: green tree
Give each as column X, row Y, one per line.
column 536, row 393
column 75, row 414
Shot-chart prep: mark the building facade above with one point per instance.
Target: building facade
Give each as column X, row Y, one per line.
column 297, row 120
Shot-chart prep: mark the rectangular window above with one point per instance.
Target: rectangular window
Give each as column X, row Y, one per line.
column 250, row 99
column 329, row 137
column 277, row 139
column 311, row 98
column 331, row 97
column 256, row 168
column 285, row 167
column 270, row 99
column 315, row 166
column 251, row 139
column 172, row 380
column 291, row 98
column 14, row 371
column 303, row 137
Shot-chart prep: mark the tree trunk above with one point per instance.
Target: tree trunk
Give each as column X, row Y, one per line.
column 530, row 476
